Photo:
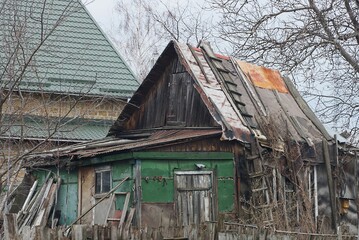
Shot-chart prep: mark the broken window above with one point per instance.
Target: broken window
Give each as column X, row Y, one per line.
column 103, row 180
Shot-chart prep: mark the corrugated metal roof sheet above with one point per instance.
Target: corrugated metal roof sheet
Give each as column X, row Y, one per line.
column 113, row 144
column 77, row 58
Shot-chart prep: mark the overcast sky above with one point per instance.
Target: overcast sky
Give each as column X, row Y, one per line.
column 104, row 13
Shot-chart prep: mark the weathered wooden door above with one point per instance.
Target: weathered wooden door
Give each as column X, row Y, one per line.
column 195, row 201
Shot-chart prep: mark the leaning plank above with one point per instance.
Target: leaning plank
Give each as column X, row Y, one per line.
column 45, row 208
column 109, row 208
column 33, row 207
column 29, row 196
column 126, row 230
column 49, row 204
column 103, row 198
column 124, row 211
column 53, row 220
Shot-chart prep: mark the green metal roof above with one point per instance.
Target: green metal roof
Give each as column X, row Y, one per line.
column 76, row 58
column 56, row 129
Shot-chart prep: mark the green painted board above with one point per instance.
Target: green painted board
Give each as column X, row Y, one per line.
column 157, row 179
column 67, row 197
column 225, row 195
column 67, row 203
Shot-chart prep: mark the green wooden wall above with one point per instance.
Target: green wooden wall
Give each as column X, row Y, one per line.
column 158, row 186
column 67, row 196
column 157, row 170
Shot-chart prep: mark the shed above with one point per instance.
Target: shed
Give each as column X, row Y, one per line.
column 209, row 138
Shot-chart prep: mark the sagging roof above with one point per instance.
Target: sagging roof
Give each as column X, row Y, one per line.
column 76, row 58
column 114, row 144
column 245, row 100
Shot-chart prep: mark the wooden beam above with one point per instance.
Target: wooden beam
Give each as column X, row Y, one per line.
column 330, row 184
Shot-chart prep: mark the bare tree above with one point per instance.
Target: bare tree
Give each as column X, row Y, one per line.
column 316, row 42
column 31, row 116
column 147, row 26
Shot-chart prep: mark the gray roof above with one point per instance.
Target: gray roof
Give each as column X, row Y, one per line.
column 246, row 100
column 76, row 57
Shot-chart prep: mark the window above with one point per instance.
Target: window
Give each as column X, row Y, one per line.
column 103, row 180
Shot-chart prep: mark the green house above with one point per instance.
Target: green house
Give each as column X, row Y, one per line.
column 205, row 138
column 68, row 83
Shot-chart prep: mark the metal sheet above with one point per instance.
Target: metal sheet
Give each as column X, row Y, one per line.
column 214, row 94
column 158, row 138
column 263, row 77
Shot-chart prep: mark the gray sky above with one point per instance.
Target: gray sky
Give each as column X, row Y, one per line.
column 104, row 13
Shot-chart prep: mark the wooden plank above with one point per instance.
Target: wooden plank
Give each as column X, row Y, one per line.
column 124, row 210
column 115, row 233
column 46, row 206
column 87, row 182
column 125, row 233
column 51, row 200
column 138, row 192
column 37, row 203
column 78, row 232
column 53, row 220
column 29, row 196
column 109, row 208
column 79, row 201
column 184, row 155
column 332, row 191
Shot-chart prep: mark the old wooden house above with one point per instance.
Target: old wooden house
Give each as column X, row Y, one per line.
column 208, row 138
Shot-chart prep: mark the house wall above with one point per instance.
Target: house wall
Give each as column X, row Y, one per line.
column 50, row 106
column 158, row 187
column 157, row 194
column 173, row 101
column 54, row 105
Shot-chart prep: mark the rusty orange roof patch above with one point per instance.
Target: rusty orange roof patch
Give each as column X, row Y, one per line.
column 222, row 56
column 263, row 77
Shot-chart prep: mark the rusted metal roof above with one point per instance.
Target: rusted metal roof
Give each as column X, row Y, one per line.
column 237, row 93
column 247, row 101
column 263, row 77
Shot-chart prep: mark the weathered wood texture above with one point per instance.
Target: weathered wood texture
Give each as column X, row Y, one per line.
column 86, row 194
column 194, row 197
column 173, row 101
column 207, row 231
column 203, row 145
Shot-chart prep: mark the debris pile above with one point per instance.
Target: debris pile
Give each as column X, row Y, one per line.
column 38, row 208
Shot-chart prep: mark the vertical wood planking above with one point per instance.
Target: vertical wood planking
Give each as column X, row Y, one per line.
column 194, row 202
column 138, row 192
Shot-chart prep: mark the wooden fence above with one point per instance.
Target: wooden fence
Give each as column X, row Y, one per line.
column 206, row 231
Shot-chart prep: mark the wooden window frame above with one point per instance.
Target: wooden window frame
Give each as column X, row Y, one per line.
column 101, row 170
